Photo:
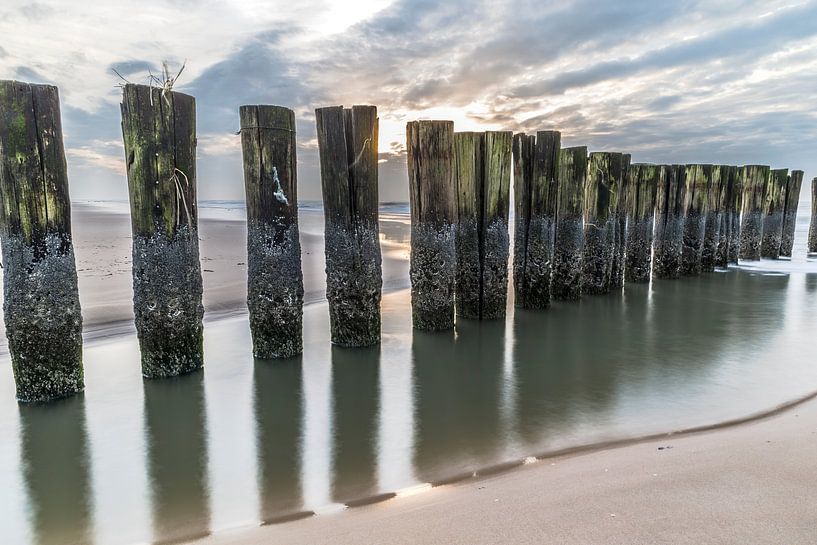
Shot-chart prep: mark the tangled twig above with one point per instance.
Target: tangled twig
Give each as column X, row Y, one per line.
column 180, row 199
column 165, row 81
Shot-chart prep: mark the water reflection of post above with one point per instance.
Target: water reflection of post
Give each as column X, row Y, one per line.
column 356, row 404
column 458, row 390
column 175, row 434
column 55, row 456
column 278, row 402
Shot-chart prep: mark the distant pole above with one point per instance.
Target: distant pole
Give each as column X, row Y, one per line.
column 642, row 182
column 735, row 204
column 728, row 174
column 275, row 288
column 41, row 302
column 567, row 258
column 790, row 214
column 603, row 172
column 482, row 166
column 695, row 201
column 159, row 130
column 347, row 141
column 430, row 149
column 619, row 195
column 751, row 223
column 668, row 224
column 774, row 204
column 536, row 160
column 711, row 217
column 812, row 231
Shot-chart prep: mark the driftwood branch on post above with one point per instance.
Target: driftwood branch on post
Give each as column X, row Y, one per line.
column 536, row 160
column 274, row 277
column 159, row 131
column 347, row 139
column 433, row 202
column 41, row 301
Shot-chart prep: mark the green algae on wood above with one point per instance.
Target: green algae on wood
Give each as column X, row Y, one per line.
column 642, row 183
column 619, row 204
column 793, row 186
column 159, row 131
column 274, row 277
column 600, row 203
column 696, row 197
column 754, row 179
column 433, row 203
column 41, row 302
column 774, row 204
column 668, row 235
column 482, row 167
column 569, row 241
column 536, row 160
column 347, row 141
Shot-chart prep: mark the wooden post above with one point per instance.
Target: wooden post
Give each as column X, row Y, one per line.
column 430, row 147
column 536, row 161
column 603, row 179
column 643, row 180
column 728, row 174
column 668, row 224
column 712, row 173
column 735, row 205
column 619, row 195
column 347, row 140
column 41, row 302
column 695, row 201
column 159, row 130
column 275, row 288
column 774, row 204
column 482, row 165
column 751, row 222
column 567, row 254
column 812, row 230
column 790, row 213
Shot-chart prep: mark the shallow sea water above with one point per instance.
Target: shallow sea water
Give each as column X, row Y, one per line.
column 247, row 441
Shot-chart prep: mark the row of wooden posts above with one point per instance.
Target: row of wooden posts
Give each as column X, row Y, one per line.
column 584, row 224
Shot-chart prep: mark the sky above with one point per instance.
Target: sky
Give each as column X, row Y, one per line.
column 728, row 81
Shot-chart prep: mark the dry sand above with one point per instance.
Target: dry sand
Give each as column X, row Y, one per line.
column 745, row 484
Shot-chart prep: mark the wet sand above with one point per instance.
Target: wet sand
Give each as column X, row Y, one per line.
column 750, row 483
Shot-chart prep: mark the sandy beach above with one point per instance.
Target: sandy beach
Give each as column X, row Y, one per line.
column 749, row 483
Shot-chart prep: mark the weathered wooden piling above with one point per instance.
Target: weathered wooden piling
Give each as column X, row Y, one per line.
column 696, row 196
column 347, row 140
column 751, row 223
column 642, row 182
column 274, row 278
column 432, row 198
column 735, row 204
column 793, row 185
column 774, row 204
column 536, row 160
column 711, row 217
column 159, row 130
column 482, row 167
column 668, row 235
column 602, row 180
column 728, row 174
column 569, row 241
column 41, row 302
column 812, row 229
column 618, row 196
